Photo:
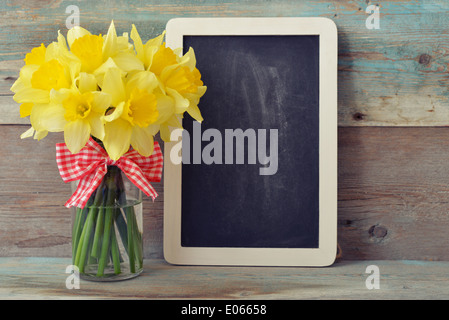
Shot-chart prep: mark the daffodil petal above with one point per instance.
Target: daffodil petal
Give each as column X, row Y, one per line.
column 58, row 96
column 96, row 126
column 195, row 113
column 117, row 138
column 137, row 43
column 52, row 51
column 165, row 133
column 181, row 103
column 151, row 48
column 123, row 44
column 113, row 84
column 201, row 90
column 48, row 117
column 157, row 41
column 110, row 42
column 194, row 98
column 101, row 101
column 153, row 129
column 189, row 59
column 19, row 85
column 76, row 134
column 61, row 41
column 101, row 70
column 116, row 113
column 144, row 80
column 40, row 134
column 32, row 95
column 167, row 71
column 87, row 82
column 24, row 80
column 128, row 61
column 27, row 134
column 142, row 141
column 174, row 121
column 165, row 107
column 74, row 66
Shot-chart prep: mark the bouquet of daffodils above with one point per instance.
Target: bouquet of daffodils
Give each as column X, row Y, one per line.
column 103, row 88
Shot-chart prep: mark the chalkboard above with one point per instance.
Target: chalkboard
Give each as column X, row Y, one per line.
column 251, row 175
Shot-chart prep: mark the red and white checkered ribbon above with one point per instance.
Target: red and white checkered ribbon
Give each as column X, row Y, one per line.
column 90, row 166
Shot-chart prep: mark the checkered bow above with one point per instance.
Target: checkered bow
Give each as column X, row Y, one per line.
column 90, row 166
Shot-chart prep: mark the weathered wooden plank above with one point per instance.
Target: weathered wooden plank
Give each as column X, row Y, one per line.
column 393, row 193
column 393, row 196
column 45, row 278
column 395, row 75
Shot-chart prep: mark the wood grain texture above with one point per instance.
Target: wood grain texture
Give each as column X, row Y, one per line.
column 393, row 76
column 393, row 193
column 392, row 197
column 45, row 278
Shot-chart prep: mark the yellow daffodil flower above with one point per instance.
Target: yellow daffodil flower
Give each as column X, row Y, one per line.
column 135, row 109
column 98, row 53
column 183, row 82
column 178, row 78
column 77, row 111
column 46, row 68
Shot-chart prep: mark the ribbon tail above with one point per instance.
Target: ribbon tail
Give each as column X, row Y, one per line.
column 150, row 192
column 143, row 184
column 137, row 177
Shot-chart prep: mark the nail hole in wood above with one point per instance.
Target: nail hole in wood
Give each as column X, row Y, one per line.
column 424, row 59
column 358, row 116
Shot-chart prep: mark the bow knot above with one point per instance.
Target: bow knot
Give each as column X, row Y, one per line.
column 111, row 162
column 90, row 166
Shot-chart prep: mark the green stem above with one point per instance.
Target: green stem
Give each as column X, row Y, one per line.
column 98, row 231
column 90, row 258
column 80, row 258
column 132, row 265
column 122, row 229
column 115, row 252
column 105, row 245
column 80, row 219
column 133, row 239
column 82, row 243
column 137, row 238
column 76, row 232
column 108, row 238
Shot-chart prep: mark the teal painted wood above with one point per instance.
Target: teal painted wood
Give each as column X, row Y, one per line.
column 45, row 278
column 395, row 75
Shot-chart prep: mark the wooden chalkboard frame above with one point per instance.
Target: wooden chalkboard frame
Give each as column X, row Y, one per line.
column 325, row 254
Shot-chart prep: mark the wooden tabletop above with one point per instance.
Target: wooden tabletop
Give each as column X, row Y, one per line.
column 45, row 278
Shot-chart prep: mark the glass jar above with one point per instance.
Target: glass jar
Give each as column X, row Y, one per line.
column 107, row 233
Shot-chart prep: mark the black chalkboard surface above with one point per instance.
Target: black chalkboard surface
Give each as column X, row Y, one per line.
column 255, row 82
column 258, row 180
